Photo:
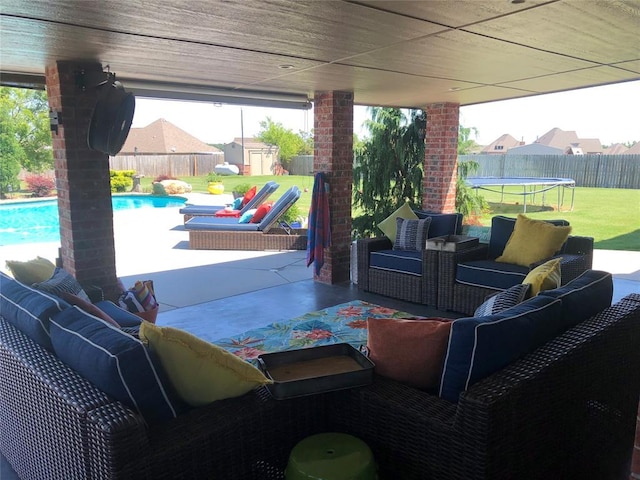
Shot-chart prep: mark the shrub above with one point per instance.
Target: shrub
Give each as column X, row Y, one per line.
column 158, row 189
column 40, row 185
column 242, row 188
column 214, row 177
column 160, row 178
column 291, row 215
column 121, row 180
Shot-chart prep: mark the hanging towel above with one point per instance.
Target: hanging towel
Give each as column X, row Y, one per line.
column 319, row 232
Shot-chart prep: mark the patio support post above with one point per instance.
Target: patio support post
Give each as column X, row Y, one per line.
column 441, row 157
column 82, row 179
column 333, row 155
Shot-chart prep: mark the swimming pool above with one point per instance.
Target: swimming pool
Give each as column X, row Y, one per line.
column 37, row 221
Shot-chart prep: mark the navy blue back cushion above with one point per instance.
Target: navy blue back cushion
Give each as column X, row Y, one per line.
column 583, row 297
column 480, row 346
column 501, row 230
column 117, row 363
column 442, row 223
column 28, row 309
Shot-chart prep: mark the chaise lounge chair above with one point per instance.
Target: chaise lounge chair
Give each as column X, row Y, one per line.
column 191, row 211
column 224, row 233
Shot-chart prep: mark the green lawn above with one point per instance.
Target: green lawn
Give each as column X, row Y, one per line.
column 610, row 216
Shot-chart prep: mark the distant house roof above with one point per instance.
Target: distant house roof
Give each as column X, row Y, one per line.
column 569, row 142
column 634, row 149
column 616, row 149
column 535, row 149
column 163, row 137
column 501, row 145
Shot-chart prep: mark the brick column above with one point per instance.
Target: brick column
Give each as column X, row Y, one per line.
column 441, row 157
column 333, row 154
column 82, row 180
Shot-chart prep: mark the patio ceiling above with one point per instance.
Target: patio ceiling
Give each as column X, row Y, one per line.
column 389, row 53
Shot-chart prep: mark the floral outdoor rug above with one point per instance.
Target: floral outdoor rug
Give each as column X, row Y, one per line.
column 344, row 323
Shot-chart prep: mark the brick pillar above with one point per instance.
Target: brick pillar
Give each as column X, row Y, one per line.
column 333, row 155
column 82, row 180
column 441, row 157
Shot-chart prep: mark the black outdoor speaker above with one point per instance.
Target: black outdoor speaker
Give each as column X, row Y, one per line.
column 111, row 119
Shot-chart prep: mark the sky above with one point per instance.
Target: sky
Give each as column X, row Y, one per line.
column 609, row 113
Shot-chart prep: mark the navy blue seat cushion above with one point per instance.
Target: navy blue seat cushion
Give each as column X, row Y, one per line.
column 442, row 223
column 490, row 274
column 583, row 297
column 480, row 346
column 114, row 361
column 28, row 309
column 501, row 230
column 403, row 261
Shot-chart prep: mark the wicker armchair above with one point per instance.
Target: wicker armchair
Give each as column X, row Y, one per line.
column 566, row 410
column 397, row 282
column 401, row 285
column 576, row 256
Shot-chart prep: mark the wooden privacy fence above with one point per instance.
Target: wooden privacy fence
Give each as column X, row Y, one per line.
column 301, row 165
column 179, row 165
column 605, row 171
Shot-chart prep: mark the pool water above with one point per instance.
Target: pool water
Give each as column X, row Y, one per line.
column 37, row 221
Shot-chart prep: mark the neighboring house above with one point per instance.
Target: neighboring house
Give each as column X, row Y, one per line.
column 616, row 149
column 258, row 159
column 161, row 148
column 163, row 137
column 534, row 149
column 634, row 149
column 569, row 142
column 501, row 145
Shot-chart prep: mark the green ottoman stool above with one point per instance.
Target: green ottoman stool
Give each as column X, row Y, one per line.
column 331, row 456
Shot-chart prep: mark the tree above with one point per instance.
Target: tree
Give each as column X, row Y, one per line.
column 288, row 142
column 468, row 202
column 25, row 113
column 388, row 166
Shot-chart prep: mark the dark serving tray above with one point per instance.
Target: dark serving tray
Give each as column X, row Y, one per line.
column 315, row 370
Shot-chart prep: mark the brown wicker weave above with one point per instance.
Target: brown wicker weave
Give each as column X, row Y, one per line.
column 565, row 411
column 274, row 239
column 56, row 425
column 578, row 252
column 412, row 288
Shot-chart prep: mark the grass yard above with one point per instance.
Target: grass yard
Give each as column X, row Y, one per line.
column 610, row 216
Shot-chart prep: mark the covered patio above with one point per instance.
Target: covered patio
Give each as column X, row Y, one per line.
column 435, row 56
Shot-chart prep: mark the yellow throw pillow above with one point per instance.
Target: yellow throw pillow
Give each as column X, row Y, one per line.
column 200, row 372
column 32, row 271
column 544, row 277
column 389, row 225
column 533, row 241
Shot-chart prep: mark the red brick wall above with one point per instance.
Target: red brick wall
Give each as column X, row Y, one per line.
column 333, row 154
column 440, row 157
column 82, row 178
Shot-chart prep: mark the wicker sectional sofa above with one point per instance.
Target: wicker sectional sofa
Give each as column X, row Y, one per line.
column 565, row 409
